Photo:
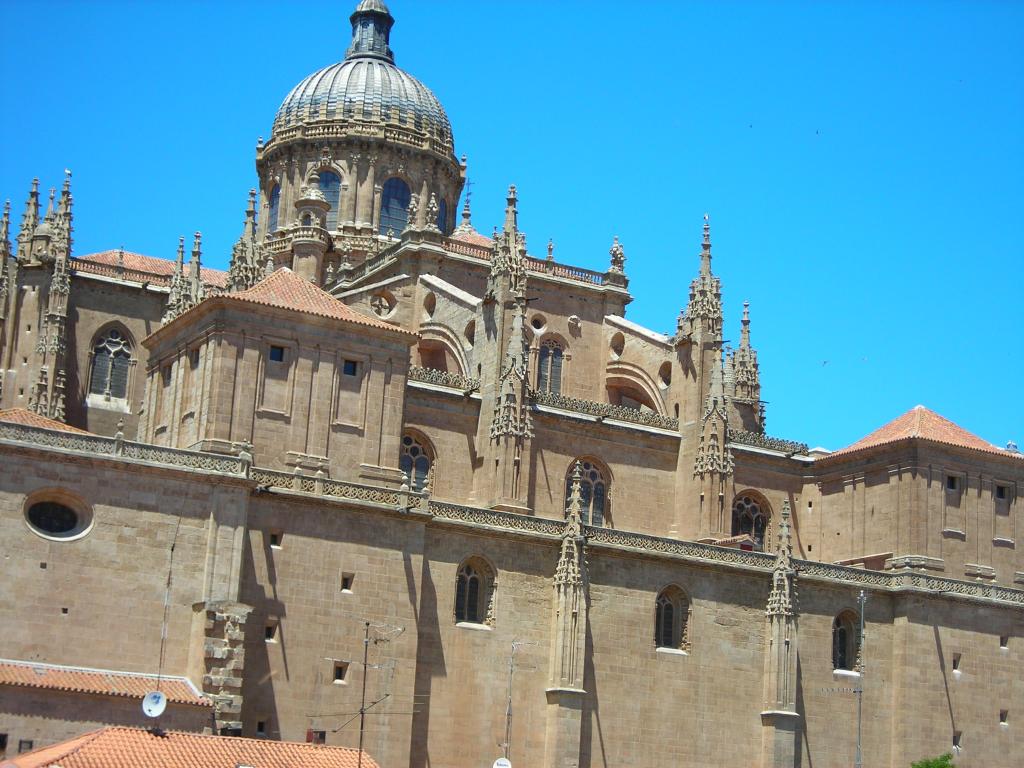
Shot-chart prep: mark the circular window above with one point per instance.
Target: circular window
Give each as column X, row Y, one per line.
column 538, row 322
column 618, row 345
column 429, row 305
column 665, row 374
column 53, row 519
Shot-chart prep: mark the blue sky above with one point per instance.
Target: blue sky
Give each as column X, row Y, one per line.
column 861, row 162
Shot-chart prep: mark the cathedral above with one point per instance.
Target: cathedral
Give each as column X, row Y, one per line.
column 395, row 484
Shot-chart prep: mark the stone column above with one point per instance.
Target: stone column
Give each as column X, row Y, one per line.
column 218, row 658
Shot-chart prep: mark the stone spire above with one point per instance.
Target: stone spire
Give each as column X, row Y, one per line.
column 713, row 462
column 246, row 267
column 466, row 225
column 702, row 318
column 782, row 600
column 5, row 249
column 433, row 211
column 569, row 614
column 509, row 261
column 196, row 292
column 176, row 298
column 713, row 454
column 511, row 414
column 744, row 363
column 29, row 222
column 47, row 396
column 780, row 733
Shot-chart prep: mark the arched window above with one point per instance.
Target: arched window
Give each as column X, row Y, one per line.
column 442, row 217
column 394, row 206
column 671, row 617
column 750, row 516
column 415, row 461
column 549, row 367
column 330, row 187
column 593, row 492
column 474, row 592
column 846, row 642
column 111, row 361
column 274, row 208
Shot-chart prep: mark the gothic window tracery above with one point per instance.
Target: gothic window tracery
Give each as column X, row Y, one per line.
column 593, row 492
column 845, row 642
column 750, row 515
column 549, row 367
column 111, row 363
column 394, row 206
column 474, row 593
column 274, row 208
column 671, row 617
column 330, row 187
column 415, row 461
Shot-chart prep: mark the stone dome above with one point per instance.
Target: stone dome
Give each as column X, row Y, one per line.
column 366, row 87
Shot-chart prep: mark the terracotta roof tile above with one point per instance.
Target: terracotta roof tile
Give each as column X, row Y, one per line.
column 923, row 424
column 99, row 681
column 472, row 236
column 161, row 269
column 287, row 290
column 134, row 747
column 31, row 419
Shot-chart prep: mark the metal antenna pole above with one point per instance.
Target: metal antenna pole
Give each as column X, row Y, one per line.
column 859, row 761
column 362, row 701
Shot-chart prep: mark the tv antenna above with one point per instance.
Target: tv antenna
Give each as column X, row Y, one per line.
column 506, row 745
column 155, row 702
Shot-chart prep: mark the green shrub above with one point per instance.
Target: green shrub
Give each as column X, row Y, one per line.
column 945, row 761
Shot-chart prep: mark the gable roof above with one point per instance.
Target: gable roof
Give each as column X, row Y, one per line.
column 57, row 677
column 118, row 747
column 159, row 270
column 32, row 419
column 922, row 424
column 287, row 290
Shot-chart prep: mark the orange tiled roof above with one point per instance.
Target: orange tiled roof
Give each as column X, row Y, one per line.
column 160, row 269
column 31, row 419
column 134, row 747
column 286, row 289
column 923, row 424
column 99, row 681
column 473, row 237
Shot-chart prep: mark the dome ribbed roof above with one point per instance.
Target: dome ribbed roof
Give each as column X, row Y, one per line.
column 366, row 86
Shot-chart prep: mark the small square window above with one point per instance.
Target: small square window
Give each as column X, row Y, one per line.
column 346, row 581
column 351, row 367
column 193, row 358
column 226, row 731
column 1001, row 492
column 340, row 671
column 1004, row 641
column 270, row 632
column 316, row 737
column 952, row 483
column 956, row 662
column 24, row 745
column 957, row 737
column 261, row 729
column 1003, row 714
column 275, row 539
column 276, row 354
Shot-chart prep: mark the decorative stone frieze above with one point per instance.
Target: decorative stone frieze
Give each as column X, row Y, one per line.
column 755, row 440
column 444, row 378
column 603, row 410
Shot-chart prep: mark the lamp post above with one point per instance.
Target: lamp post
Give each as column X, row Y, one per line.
column 859, row 759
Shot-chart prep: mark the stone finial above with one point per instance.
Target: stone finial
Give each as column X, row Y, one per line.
column 511, row 214
column 414, row 212
column 618, row 254
column 574, row 511
column 551, row 249
column 432, row 213
column 745, row 325
column 782, row 599
column 268, row 268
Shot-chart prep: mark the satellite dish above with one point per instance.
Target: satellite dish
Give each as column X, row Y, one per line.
column 502, row 762
column 153, row 704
